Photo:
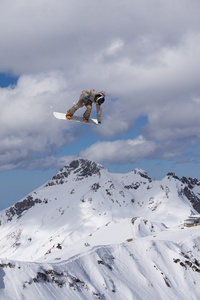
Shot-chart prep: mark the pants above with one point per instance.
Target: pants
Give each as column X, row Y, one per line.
column 79, row 104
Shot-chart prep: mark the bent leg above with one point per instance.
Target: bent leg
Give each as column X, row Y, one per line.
column 75, row 107
column 87, row 113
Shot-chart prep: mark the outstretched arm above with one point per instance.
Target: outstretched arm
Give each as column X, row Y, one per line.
column 99, row 110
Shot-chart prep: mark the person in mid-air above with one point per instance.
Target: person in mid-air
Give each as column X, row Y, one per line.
column 86, row 99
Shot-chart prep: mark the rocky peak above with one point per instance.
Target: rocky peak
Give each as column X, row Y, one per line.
column 190, row 182
column 83, row 167
column 172, row 175
column 186, row 190
column 80, row 167
column 142, row 173
column 194, row 199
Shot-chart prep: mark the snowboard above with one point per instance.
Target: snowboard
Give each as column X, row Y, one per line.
column 62, row 116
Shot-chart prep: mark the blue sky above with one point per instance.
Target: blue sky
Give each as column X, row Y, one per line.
column 147, row 63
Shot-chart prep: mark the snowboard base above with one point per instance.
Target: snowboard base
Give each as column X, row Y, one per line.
column 62, row 116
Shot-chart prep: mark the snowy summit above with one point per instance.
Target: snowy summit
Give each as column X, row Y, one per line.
column 91, row 234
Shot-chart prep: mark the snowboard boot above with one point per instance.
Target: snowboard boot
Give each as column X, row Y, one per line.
column 68, row 116
column 85, row 120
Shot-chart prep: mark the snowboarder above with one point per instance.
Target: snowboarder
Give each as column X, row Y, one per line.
column 86, row 99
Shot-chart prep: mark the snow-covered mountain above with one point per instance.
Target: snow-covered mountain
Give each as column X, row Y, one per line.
column 91, row 234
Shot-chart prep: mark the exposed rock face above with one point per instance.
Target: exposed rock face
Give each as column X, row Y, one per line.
column 85, row 168
column 142, row 173
column 189, row 185
column 173, row 175
column 191, row 182
column 21, row 206
column 80, row 167
column 195, row 201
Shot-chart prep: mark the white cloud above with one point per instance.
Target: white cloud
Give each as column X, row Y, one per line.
column 44, row 36
column 166, row 92
column 143, row 54
column 28, row 127
column 120, row 151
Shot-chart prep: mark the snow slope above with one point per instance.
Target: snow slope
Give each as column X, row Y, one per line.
column 91, row 234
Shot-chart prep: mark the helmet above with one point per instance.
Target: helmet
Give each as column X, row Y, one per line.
column 100, row 97
column 100, row 100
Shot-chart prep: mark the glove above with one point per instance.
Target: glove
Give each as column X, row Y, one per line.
column 86, row 97
column 99, row 122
